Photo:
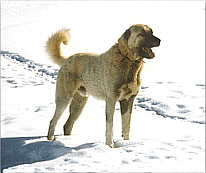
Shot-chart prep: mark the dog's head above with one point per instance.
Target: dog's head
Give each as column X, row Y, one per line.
column 137, row 42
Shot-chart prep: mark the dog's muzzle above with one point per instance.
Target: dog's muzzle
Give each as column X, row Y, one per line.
column 146, row 50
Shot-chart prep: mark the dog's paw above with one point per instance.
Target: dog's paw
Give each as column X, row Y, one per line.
column 51, row 138
column 110, row 144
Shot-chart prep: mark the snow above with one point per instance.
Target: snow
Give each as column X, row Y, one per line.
column 168, row 120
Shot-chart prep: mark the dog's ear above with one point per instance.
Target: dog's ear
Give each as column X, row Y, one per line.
column 127, row 34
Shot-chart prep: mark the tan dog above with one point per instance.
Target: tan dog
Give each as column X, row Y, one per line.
column 112, row 76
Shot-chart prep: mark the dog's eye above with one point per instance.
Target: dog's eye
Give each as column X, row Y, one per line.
column 142, row 34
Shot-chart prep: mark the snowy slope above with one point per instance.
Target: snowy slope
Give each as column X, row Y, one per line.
column 161, row 135
column 168, row 120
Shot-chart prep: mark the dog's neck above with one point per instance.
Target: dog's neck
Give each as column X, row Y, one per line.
column 133, row 66
column 127, row 57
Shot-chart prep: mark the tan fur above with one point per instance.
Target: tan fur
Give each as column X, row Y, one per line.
column 112, row 76
column 53, row 46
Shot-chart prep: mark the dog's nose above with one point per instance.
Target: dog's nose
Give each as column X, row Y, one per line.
column 157, row 41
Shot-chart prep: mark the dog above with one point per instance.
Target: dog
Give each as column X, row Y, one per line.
column 112, row 76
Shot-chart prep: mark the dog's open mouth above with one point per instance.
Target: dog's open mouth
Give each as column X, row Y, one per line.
column 147, row 52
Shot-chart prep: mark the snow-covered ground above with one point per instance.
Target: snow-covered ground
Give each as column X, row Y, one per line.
column 168, row 120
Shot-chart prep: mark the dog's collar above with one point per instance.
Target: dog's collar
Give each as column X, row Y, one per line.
column 136, row 60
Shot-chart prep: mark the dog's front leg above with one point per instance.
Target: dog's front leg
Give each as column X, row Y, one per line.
column 126, row 111
column 110, row 107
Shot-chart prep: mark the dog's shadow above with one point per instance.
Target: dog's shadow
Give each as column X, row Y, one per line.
column 18, row 151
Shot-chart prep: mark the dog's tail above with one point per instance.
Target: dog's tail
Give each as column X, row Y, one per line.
column 53, row 45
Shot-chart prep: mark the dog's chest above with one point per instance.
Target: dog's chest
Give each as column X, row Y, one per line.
column 128, row 82
column 127, row 90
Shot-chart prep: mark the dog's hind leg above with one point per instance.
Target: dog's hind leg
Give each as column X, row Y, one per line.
column 60, row 107
column 65, row 89
column 126, row 111
column 76, row 107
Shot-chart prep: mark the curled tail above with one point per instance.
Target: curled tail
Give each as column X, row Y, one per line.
column 53, row 45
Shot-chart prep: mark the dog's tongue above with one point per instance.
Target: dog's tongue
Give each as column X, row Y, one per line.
column 149, row 51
